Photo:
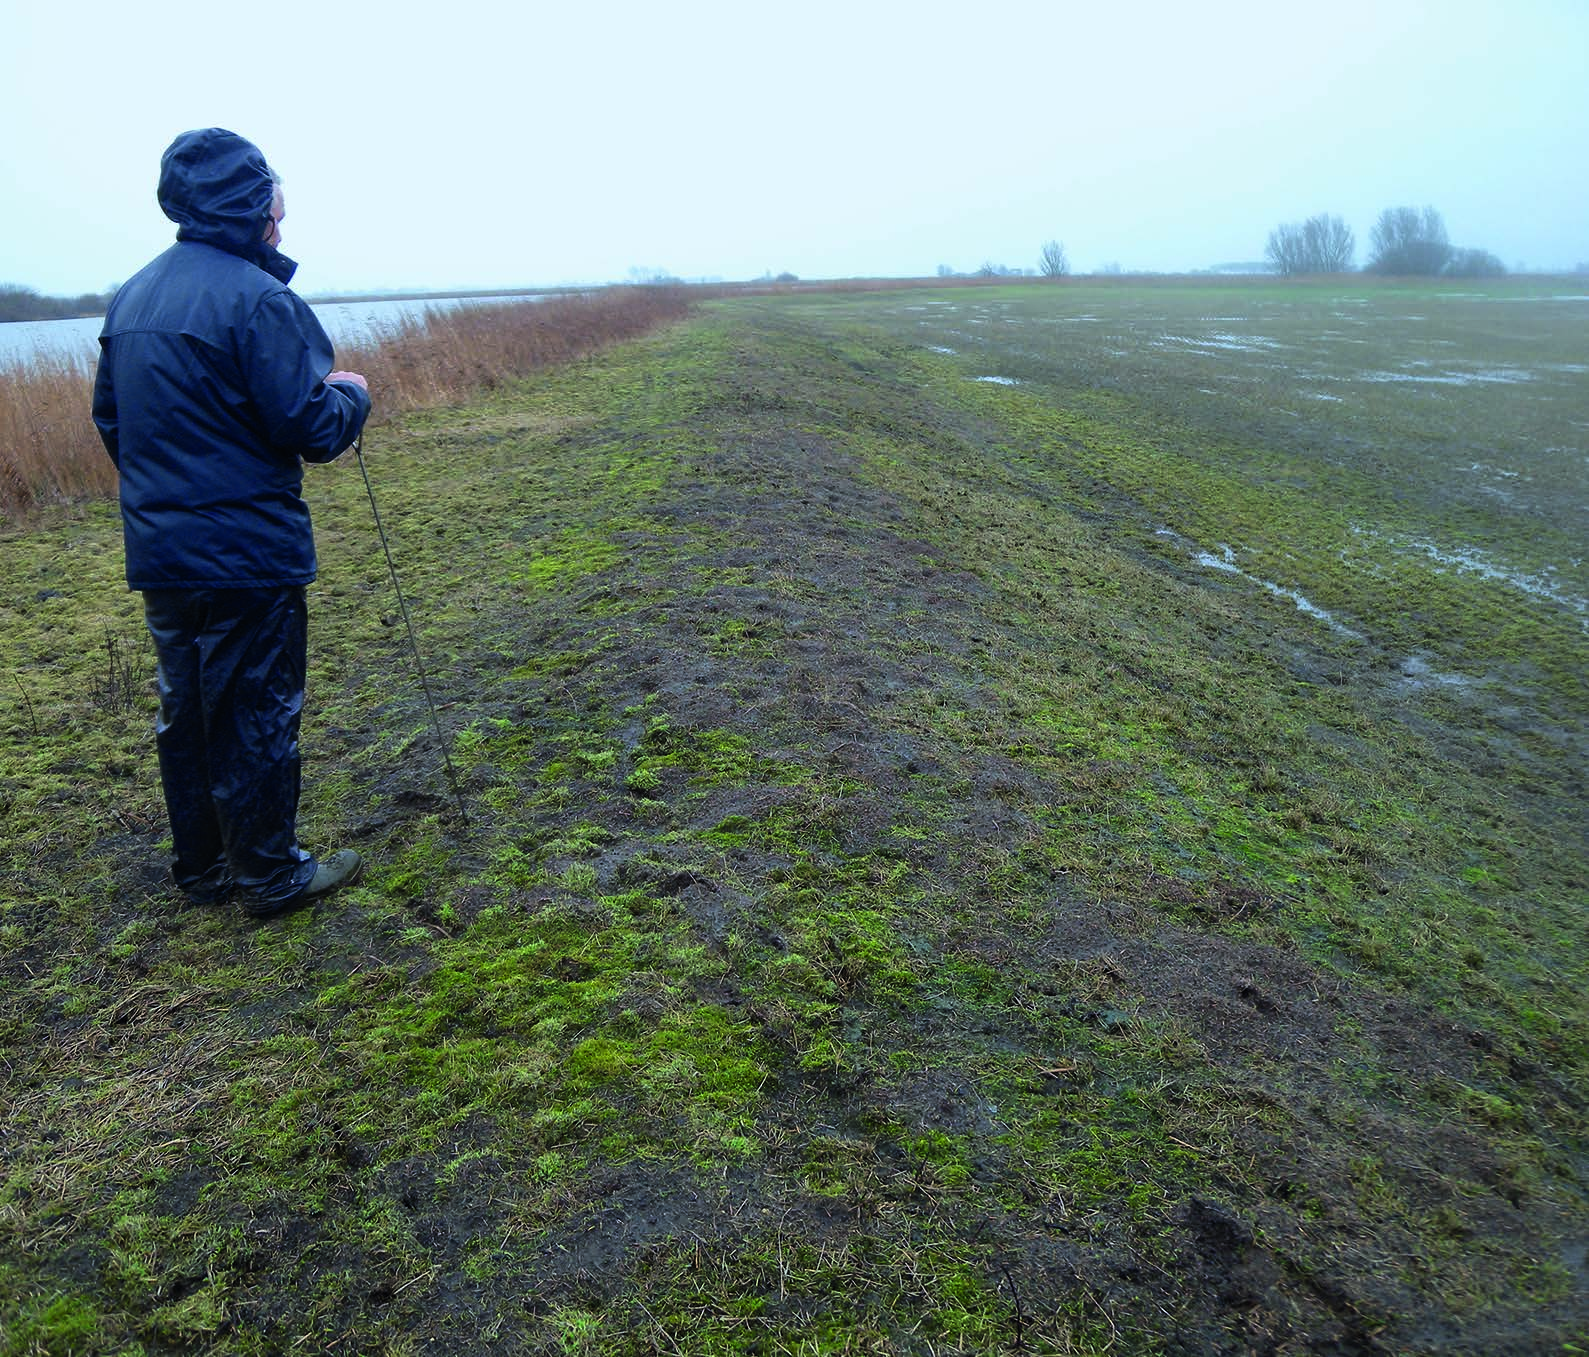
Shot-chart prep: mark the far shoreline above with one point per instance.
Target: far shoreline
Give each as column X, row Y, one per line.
column 349, row 298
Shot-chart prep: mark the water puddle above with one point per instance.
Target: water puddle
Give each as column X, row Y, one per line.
column 1558, row 297
column 1473, row 562
column 1220, row 339
column 1001, row 381
column 1225, row 562
column 1470, row 560
column 938, row 348
column 1481, row 375
column 1502, row 375
column 1419, row 673
column 1225, row 343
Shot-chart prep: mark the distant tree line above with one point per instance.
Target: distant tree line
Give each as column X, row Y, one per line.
column 644, row 275
column 23, row 303
column 1405, row 241
column 1320, row 244
column 1052, row 262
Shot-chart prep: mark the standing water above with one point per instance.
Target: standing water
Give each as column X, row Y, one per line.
column 346, row 322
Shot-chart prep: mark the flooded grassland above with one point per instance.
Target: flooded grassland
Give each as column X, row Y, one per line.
column 1407, row 465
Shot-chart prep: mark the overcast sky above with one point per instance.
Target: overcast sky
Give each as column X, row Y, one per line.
column 466, row 144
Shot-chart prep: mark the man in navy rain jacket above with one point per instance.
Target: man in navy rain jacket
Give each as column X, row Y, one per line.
column 214, row 387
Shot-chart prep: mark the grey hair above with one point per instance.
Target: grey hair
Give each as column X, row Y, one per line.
column 275, row 193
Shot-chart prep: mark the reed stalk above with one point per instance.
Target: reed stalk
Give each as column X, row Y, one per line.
column 50, row 452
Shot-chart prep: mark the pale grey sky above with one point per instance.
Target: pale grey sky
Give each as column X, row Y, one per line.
column 474, row 144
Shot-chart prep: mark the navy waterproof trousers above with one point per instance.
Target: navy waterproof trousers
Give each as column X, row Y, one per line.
column 232, row 670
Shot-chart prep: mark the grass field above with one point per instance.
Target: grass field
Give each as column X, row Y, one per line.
column 1085, row 862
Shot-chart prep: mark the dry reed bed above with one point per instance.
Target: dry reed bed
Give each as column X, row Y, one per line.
column 49, row 450
column 51, row 453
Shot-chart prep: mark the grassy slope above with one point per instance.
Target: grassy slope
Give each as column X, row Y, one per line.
column 904, row 908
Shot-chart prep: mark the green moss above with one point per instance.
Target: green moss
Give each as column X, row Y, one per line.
column 55, row 1325
column 558, row 563
column 643, row 781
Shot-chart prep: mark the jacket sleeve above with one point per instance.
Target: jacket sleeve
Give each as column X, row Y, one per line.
column 286, row 356
column 104, row 408
column 361, row 399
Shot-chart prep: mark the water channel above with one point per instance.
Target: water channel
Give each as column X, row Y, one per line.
column 346, row 322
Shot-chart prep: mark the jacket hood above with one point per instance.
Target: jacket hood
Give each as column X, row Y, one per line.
column 217, row 187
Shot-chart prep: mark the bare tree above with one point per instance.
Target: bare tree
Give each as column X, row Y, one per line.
column 1053, row 261
column 1474, row 264
column 1321, row 244
column 643, row 276
column 1407, row 241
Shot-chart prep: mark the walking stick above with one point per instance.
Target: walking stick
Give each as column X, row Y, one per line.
column 413, row 641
